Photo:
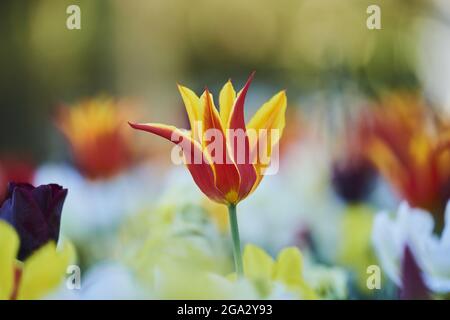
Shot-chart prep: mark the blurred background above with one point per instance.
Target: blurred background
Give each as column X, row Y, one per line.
column 140, row 49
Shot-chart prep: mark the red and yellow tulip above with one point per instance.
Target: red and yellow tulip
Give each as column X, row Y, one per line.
column 226, row 179
column 230, row 167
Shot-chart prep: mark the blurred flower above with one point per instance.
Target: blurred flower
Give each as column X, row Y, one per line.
column 35, row 213
column 355, row 248
column 227, row 180
column 327, row 282
column 94, row 128
column 35, row 278
column 352, row 178
column 14, row 170
column 169, row 240
column 411, row 150
column 287, row 270
column 108, row 184
column 413, row 227
column 175, row 252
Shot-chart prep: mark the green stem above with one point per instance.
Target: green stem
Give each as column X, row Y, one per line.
column 236, row 241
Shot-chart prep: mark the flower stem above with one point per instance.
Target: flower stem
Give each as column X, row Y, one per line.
column 236, row 241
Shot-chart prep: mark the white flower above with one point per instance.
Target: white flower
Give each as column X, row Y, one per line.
column 414, row 227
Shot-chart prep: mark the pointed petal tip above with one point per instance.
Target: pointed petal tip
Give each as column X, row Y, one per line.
column 249, row 81
column 281, row 93
column 132, row 124
column 139, row 126
column 180, row 87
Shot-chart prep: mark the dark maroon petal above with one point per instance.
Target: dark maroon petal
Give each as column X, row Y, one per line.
column 13, row 185
column 29, row 222
column 413, row 285
column 352, row 179
column 42, row 195
column 35, row 213
column 54, row 213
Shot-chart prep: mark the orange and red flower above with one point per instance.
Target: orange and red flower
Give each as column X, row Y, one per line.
column 411, row 149
column 101, row 147
column 229, row 173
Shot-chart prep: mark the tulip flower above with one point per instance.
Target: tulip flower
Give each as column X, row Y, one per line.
column 411, row 151
column 40, row 273
column 35, row 213
column 94, row 128
column 226, row 157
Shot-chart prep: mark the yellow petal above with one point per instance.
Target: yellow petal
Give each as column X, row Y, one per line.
column 227, row 97
column 289, row 265
column 355, row 248
column 193, row 109
column 271, row 116
column 45, row 270
column 288, row 270
column 257, row 263
column 9, row 245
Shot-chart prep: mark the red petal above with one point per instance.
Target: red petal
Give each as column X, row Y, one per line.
column 237, row 122
column 201, row 172
column 227, row 174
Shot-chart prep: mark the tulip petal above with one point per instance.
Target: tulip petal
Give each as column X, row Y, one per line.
column 237, row 124
column 289, row 266
column 9, row 245
column 257, row 263
column 192, row 103
column 227, row 97
column 45, row 270
column 199, row 167
column 271, row 116
column 35, row 213
column 227, row 178
column 29, row 221
column 288, row 270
